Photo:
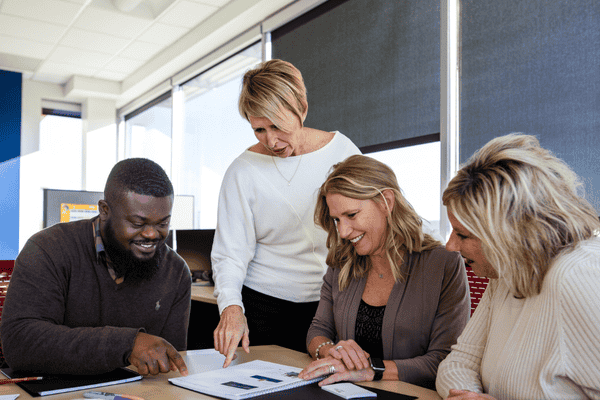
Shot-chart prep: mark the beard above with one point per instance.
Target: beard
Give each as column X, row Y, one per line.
column 125, row 263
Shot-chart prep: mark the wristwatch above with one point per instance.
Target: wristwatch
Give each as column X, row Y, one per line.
column 378, row 366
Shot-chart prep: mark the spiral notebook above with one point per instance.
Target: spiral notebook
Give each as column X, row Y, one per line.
column 243, row 381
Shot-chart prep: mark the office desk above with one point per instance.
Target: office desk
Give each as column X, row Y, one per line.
column 204, row 318
column 158, row 388
column 204, row 294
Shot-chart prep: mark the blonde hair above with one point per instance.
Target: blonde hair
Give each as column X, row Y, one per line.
column 522, row 203
column 364, row 178
column 271, row 88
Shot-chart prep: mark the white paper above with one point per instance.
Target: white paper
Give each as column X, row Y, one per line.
column 244, row 380
column 8, row 396
column 348, row 390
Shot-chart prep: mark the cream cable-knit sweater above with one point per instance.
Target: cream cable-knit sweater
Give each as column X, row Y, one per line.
column 551, row 351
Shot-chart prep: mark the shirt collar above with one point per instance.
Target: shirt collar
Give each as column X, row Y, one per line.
column 102, row 255
column 98, row 243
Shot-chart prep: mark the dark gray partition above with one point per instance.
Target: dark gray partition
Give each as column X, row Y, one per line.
column 533, row 66
column 371, row 68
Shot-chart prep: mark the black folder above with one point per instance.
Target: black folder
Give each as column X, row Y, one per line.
column 54, row 384
column 314, row 392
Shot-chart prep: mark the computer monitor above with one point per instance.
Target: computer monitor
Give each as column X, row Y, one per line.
column 195, row 245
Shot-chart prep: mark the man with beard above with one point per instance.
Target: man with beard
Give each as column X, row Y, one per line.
column 90, row 296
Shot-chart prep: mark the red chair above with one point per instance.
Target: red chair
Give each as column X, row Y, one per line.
column 477, row 286
column 6, row 269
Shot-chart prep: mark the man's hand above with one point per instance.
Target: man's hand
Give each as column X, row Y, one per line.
column 232, row 327
column 153, row 355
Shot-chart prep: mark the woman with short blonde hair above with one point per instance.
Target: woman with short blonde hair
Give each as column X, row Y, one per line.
column 268, row 256
column 393, row 299
column 275, row 86
column 518, row 218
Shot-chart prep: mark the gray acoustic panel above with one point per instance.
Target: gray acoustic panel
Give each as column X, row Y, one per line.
column 533, row 66
column 371, row 68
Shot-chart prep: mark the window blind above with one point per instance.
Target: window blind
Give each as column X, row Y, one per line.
column 371, row 68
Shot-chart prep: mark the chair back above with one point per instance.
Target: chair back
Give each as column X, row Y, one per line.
column 477, row 286
column 6, row 269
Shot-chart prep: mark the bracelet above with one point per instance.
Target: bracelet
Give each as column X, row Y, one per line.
column 321, row 345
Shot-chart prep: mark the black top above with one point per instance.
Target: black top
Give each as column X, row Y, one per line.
column 369, row 321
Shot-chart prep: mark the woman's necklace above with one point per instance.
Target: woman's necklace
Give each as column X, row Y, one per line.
column 289, row 181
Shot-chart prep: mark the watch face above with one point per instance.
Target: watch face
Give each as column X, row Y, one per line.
column 377, row 364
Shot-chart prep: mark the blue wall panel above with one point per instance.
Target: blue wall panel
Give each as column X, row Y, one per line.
column 10, row 150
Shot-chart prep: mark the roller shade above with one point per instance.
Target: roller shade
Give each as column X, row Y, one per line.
column 371, row 68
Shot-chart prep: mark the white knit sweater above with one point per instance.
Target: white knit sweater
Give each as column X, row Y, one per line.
column 266, row 238
column 545, row 347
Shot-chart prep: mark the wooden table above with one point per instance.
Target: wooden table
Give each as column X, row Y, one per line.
column 158, row 388
column 204, row 294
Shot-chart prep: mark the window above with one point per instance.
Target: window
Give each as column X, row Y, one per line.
column 417, row 169
column 148, row 133
column 57, row 165
column 215, row 133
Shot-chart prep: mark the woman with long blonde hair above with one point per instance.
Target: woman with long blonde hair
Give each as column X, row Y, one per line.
column 518, row 218
column 393, row 299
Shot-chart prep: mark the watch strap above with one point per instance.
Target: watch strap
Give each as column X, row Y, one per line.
column 378, row 367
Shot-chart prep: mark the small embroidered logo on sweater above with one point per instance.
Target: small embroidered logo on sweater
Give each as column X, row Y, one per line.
column 157, row 305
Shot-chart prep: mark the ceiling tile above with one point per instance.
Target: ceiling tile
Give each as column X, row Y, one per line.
column 94, row 41
column 28, row 29
column 123, row 65
column 162, row 34
column 13, row 62
column 61, row 72
column 111, row 75
column 110, row 22
column 187, row 14
column 56, row 11
column 81, row 58
column 59, row 79
column 23, row 47
column 141, row 50
column 218, row 3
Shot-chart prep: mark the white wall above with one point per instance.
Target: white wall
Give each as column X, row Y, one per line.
column 99, row 132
